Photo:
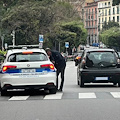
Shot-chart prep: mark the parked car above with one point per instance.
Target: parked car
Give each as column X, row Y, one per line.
column 98, row 65
column 27, row 69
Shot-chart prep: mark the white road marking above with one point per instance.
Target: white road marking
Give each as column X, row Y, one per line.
column 19, row 98
column 54, row 96
column 87, row 95
column 115, row 94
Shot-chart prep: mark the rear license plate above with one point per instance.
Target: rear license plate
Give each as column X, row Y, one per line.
column 101, row 78
column 28, row 70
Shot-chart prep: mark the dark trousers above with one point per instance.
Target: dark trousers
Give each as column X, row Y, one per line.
column 61, row 71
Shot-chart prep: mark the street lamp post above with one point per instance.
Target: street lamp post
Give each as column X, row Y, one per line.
column 13, row 34
column 2, row 38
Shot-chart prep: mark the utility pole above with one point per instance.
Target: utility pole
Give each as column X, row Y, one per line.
column 2, row 38
column 13, row 34
column 1, row 25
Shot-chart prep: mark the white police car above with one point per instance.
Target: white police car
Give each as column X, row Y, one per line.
column 27, row 68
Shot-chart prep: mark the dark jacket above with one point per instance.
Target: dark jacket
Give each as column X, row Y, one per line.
column 59, row 60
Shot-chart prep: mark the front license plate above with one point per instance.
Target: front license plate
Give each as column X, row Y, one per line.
column 28, row 70
column 101, row 78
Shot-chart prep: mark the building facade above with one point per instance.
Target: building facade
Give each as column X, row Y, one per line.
column 115, row 13
column 104, row 12
column 107, row 12
column 91, row 21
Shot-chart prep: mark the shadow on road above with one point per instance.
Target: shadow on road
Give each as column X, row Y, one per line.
column 100, row 86
column 27, row 93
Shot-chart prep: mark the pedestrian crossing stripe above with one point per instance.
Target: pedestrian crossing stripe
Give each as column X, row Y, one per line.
column 115, row 94
column 54, row 96
column 19, row 98
column 58, row 96
column 87, row 95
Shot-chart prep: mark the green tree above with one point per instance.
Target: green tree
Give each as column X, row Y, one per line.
column 72, row 32
column 110, row 24
column 29, row 18
column 111, row 37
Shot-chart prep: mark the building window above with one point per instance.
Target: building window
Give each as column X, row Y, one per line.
column 117, row 10
column 102, row 12
column 102, row 20
column 117, row 18
column 108, row 3
column 92, row 11
column 109, row 11
column 109, row 19
column 91, row 17
column 105, row 3
column 105, row 19
column 113, row 19
column 99, row 20
column 102, row 5
column 89, row 24
column 105, row 12
column 95, row 23
column 89, row 11
column 113, row 11
column 96, row 17
column 96, row 10
column 86, row 24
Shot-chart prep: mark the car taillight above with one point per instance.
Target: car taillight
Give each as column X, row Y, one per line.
column 5, row 68
column 118, row 61
column 51, row 66
column 78, row 58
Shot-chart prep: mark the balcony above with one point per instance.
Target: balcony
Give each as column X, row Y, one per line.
column 91, row 27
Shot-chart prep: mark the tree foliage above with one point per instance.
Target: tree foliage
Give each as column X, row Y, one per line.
column 110, row 24
column 72, row 32
column 57, row 21
column 111, row 37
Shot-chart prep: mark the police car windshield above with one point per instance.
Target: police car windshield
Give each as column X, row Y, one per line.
column 20, row 57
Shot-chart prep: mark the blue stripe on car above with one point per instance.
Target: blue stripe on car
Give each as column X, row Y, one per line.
column 37, row 70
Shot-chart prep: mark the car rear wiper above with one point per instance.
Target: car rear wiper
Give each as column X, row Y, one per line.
column 22, row 60
column 111, row 65
column 106, row 64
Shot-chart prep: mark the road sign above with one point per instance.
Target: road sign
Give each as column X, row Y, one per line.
column 67, row 44
column 41, row 45
column 6, row 45
column 40, row 38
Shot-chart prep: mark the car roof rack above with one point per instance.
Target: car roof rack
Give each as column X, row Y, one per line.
column 22, row 46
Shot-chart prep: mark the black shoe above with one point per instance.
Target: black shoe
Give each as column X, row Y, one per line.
column 60, row 90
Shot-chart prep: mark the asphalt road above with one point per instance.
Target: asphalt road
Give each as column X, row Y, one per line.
column 93, row 102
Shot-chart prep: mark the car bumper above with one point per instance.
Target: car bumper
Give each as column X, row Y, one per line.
column 100, row 76
column 28, row 81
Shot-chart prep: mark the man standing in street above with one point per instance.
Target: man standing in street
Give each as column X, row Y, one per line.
column 58, row 60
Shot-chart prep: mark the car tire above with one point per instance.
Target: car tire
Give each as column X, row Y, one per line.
column 52, row 91
column 78, row 78
column 118, row 84
column 81, row 82
column 114, row 84
column 3, row 92
column 76, row 64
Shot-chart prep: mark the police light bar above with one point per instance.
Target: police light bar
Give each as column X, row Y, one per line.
column 22, row 46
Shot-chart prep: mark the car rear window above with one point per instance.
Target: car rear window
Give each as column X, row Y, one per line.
column 29, row 57
column 101, row 59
